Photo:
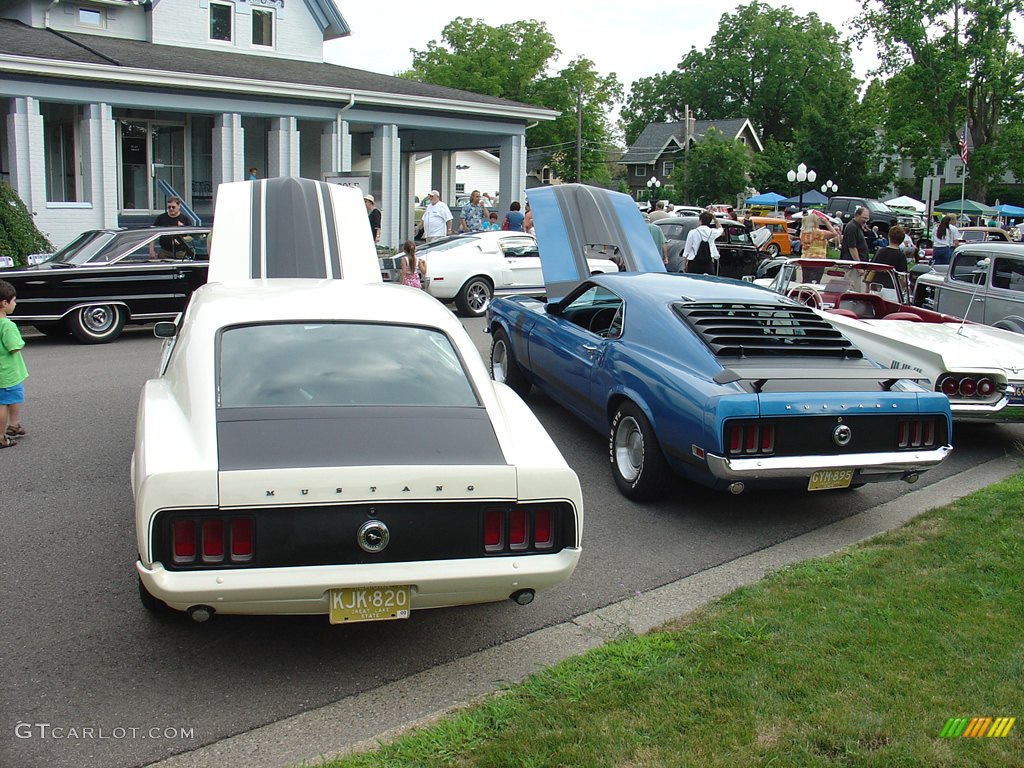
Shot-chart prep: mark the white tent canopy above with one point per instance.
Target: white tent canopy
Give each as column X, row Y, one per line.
column 906, row 202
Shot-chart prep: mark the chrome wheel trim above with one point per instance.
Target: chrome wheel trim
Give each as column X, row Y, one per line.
column 478, row 297
column 98, row 320
column 499, row 362
column 629, row 449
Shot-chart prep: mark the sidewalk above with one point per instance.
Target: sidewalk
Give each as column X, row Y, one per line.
column 358, row 722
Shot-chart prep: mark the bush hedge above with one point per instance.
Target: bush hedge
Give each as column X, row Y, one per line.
column 18, row 233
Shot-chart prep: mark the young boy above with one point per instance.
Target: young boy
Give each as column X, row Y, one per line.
column 12, row 370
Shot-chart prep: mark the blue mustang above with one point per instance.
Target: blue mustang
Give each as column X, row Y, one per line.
column 719, row 381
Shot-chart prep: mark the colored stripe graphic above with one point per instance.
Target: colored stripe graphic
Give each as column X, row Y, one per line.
column 977, row 727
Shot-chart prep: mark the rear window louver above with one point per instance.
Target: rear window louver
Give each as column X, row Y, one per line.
column 764, row 330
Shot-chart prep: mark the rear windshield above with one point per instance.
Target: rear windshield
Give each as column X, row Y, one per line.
column 335, row 364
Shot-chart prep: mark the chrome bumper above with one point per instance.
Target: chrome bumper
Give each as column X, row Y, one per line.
column 801, row 467
column 1000, row 411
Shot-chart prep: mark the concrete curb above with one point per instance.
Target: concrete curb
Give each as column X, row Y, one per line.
column 359, row 722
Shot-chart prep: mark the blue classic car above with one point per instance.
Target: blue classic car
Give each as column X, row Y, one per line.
column 721, row 382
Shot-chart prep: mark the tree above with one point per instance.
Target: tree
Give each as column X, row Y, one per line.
column 951, row 62
column 511, row 61
column 765, row 63
column 718, row 170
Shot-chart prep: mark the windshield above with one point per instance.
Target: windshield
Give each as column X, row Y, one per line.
column 339, row 364
column 82, row 248
column 877, row 207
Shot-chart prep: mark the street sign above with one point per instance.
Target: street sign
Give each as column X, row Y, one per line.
column 930, row 188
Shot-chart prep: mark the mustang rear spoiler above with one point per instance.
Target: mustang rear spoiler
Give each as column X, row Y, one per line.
column 761, row 376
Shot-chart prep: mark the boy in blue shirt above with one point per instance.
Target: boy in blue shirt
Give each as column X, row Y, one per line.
column 12, row 370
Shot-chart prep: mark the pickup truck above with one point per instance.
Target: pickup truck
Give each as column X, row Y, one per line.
column 984, row 283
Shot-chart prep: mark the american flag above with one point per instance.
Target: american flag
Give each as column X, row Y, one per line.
column 963, row 144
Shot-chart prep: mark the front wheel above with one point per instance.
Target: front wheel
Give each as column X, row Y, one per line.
column 638, row 465
column 475, row 297
column 504, row 367
column 98, row 324
column 773, row 250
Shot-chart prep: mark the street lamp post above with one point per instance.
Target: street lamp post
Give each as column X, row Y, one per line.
column 829, row 188
column 653, row 185
column 801, row 174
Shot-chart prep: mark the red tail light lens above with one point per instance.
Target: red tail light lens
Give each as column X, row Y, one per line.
column 542, row 530
column 517, row 529
column 968, row 386
column 949, row 386
column 241, row 539
column 986, row 387
column 183, row 541
column 213, row 541
column 735, row 439
column 916, row 433
column 751, row 439
column 492, row 530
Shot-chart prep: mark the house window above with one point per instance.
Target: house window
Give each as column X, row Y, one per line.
column 639, row 170
column 60, row 148
column 460, row 187
column 262, row 27
column 220, row 21
column 667, row 166
column 90, row 17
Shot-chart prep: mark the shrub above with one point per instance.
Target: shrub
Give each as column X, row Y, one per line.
column 18, row 233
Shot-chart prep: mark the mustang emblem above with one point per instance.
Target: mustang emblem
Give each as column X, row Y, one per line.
column 842, row 435
column 373, row 536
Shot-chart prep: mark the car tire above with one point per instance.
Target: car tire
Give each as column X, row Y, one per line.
column 772, row 250
column 638, row 465
column 150, row 603
column 504, row 367
column 52, row 329
column 98, row 324
column 475, row 297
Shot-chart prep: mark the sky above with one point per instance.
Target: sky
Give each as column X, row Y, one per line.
column 632, row 39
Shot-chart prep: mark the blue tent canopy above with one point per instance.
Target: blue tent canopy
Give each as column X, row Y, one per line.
column 811, row 197
column 767, row 198
column 1013, row 211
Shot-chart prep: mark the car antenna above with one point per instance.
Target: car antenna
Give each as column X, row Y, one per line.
column 984, row 262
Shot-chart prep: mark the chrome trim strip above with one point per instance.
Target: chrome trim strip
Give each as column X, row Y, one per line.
column 776, row 467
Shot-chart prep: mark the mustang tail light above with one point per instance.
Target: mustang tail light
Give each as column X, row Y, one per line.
column 751, row 438
column 916, row 433
column 969, row 386
column 212, row 540
column 521, row 529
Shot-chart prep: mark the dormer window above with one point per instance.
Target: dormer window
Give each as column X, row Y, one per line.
column 263, row 27
column 221, row 21
column 90, row 17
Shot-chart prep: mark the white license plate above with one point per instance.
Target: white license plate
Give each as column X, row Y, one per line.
column 369, row 603
column 825, row 479
column 1016, row 393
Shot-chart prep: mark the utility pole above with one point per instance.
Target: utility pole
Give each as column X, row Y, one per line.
column 579, row 136
column 686, row 156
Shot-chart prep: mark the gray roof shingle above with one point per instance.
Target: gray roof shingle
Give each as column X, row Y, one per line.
column 655, row 136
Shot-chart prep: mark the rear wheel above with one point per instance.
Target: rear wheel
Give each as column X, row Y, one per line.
column 504, row 367
column 638, row 465
column 475, row 297
column 150, row 603
column 98, row 324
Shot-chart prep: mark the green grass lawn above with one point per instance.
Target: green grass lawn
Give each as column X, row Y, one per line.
column 857, row 659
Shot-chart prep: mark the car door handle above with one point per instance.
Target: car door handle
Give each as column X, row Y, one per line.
column 591, row 348
column 181, row 273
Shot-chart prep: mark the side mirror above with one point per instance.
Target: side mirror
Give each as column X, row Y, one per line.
column 553, row 308
column 165, row 330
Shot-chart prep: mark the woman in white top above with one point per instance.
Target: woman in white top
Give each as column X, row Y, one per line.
column 695, row 260
column 947, row 237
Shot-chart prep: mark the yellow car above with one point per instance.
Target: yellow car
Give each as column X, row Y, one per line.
column 779, row 243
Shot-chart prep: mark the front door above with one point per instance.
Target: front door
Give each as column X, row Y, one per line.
column 151, row 151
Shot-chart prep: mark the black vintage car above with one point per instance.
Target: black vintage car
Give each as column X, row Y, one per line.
column 106, row 278
column 739, row 255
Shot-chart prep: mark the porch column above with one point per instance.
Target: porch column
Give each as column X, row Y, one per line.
column 283, row 147
column 336, row 148
column 26, row 152
column 228, row 150
column 512, row 173
column 385, row 161
column 442, row 178
column 407, row 221
column 99, row 161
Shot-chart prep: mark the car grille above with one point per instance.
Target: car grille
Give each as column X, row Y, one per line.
column 764, row 330
column 278, row 537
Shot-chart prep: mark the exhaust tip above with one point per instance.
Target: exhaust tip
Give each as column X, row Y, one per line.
column 523, row 596
column 911, row 477
column 736, row 488
column 200, row 613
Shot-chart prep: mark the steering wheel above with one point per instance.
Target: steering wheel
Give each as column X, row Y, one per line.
column 600, row 321
column 805, row 295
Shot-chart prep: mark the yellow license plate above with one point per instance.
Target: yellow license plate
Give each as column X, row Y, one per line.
column 369, row 604
column 825, row 479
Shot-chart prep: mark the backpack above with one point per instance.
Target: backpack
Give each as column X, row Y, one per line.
column 702, row 263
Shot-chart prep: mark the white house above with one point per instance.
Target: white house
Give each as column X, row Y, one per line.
column 112, row 103
column 478, row 169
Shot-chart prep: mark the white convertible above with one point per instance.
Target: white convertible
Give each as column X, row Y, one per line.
column 980, row 369
column 315, row 445
column 472, row 269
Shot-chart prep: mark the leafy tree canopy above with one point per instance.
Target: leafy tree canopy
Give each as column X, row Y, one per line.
column 950, row 61
column 716, row 170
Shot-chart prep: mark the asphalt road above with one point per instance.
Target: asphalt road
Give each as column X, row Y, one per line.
column 90, row 679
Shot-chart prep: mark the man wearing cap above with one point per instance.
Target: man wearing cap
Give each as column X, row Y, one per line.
column 374, row 216
column 437, row 219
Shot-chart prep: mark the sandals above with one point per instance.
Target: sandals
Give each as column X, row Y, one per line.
column 16, row 431
column 6, row 442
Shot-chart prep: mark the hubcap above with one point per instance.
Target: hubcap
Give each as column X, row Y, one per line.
column 478, row 297
column 98, row 319
column 499, row 362
column 629, row 449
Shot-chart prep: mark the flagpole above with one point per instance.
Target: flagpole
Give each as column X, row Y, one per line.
column 963, row 177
